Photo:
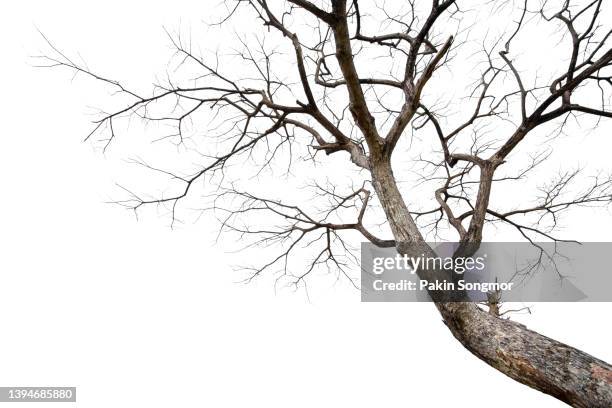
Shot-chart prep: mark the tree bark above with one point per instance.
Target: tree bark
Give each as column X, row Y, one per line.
column 566, row 373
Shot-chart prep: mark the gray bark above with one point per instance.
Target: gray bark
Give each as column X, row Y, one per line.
column 566, row 373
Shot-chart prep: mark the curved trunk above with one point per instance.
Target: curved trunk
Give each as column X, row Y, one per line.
column 547, row 365
column 554, row 368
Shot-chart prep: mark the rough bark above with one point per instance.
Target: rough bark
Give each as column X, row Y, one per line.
column 566, row 373
column 544, row 364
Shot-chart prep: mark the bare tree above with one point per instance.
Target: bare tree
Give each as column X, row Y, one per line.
column 334, row 101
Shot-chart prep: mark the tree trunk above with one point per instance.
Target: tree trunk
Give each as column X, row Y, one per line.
column 547, row 365
column 544, row 364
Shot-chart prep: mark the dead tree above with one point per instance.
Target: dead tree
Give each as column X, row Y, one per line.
column 336, row 104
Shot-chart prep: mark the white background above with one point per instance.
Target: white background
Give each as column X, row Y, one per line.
column 137, row 315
